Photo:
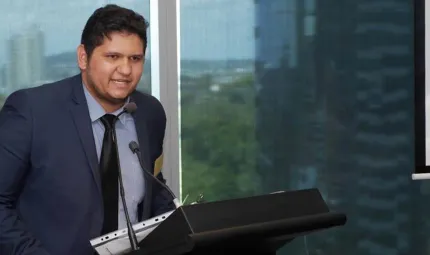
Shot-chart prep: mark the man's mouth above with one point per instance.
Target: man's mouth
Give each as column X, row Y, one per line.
column 121, row 81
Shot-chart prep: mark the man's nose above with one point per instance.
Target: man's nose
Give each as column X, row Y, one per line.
column 125, row 67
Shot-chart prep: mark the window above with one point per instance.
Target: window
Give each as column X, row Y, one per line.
column 38, row 41
column 274, row 95
column 313, row 101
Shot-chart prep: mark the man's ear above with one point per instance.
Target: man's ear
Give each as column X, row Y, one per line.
column 82, row 57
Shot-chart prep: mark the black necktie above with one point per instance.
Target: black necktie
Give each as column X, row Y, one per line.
column 109, row 174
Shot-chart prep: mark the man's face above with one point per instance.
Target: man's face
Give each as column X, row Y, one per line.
column 114, row 69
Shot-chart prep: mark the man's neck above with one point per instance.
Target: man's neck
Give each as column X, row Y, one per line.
column 109, row 107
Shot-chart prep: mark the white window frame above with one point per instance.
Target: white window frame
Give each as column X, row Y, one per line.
column 165, row 73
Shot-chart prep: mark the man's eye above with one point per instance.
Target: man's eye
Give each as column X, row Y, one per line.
column 136, row 58
column 113, row 56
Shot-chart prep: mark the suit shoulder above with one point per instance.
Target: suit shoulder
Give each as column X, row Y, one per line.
column 145, row 97
column 60, row 86
column 148, row 101
column 47, row 90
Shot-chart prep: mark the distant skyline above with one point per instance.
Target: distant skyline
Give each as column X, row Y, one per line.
column 210, row 30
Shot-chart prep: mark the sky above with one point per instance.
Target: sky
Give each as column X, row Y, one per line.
column 210, row 29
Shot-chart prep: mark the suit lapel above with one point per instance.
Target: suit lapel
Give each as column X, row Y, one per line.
column 141, row 121
column 81, row 117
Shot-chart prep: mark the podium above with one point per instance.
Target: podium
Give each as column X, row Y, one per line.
column 252, row 225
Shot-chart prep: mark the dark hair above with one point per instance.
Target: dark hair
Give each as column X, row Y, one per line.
column 112, row 18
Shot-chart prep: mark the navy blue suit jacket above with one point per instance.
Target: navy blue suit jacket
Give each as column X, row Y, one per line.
column 50, row 191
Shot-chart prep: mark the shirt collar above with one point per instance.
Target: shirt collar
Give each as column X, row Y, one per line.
column 96, row 110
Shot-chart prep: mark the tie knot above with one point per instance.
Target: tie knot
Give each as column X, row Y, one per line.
column 108, row 120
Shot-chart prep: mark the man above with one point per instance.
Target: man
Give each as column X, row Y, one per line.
column 58, row 174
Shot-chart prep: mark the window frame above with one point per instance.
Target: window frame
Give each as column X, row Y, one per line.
column 165, row 82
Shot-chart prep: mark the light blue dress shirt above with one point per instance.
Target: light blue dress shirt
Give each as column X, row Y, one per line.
column 132, row 175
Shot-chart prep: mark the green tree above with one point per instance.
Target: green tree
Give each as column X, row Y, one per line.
column 218, row 140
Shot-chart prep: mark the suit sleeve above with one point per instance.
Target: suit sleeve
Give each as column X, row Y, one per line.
column 15, row 147
column 162, row 201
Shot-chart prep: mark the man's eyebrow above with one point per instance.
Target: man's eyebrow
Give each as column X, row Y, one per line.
column 137, row 55
column 120, row 54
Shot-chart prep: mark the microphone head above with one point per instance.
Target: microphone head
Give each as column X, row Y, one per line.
column 130, row 107
column 134, row 147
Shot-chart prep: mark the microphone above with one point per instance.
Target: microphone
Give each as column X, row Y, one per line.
column 134, row 147
column 128, row 108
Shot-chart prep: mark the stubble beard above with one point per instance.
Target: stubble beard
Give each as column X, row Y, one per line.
column 99, row 96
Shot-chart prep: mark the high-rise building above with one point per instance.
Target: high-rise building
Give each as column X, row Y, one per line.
column 333, row 113
column 283, row 33
column 383, row 143
column 26, row 59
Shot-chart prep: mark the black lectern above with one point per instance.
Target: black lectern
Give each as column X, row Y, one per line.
column 253, row 225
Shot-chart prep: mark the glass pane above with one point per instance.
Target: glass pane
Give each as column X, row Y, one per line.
column 294, row 94
column 38, row 40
